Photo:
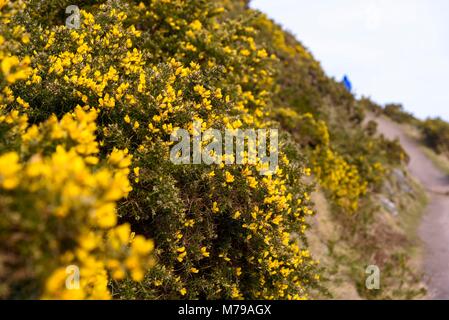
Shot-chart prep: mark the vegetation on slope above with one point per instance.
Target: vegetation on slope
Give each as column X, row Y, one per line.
column 85, row 176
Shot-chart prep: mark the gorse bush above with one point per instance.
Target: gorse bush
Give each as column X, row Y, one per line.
column 334, row 173
column 97, row 108
column 397, row 113
column 436, row 134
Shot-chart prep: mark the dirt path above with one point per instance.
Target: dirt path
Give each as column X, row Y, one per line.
column 434, row 229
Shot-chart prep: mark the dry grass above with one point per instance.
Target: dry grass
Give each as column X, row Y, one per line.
column 391, row 242
column 326, row 233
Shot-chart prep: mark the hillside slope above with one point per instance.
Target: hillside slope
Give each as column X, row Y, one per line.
column 87, row 124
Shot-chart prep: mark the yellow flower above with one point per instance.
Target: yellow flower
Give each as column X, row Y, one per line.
column 235, row 293
column 194, row 270
column 25, row 38
column 181, row 256
column 89, row 241
column 118, row 274
column 9, row 170
column 215, row 208
column 56, row 280
column 229, row 177
column 252, row 182
column 107, row 101
column 22, row 102
column 238, row 271
column 196, row 25
column 245, row 52
column 120, row 158
column 189, row 223
column 181, row 249
column 8, row 63
column 142, row 246
column 262, row 53
column 21, row 68
column 105, row 216
column 137, row 274
column 204, row 252
column 183, row 291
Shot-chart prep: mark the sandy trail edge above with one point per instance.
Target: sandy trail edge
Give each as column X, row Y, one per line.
column 434, row 228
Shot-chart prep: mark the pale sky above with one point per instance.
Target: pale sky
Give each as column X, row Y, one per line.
column 392, row 50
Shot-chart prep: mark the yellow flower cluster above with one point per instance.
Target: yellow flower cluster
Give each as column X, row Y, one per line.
column 65, row 187
column 9, row 170
column 334, row 173
column 58, row 192
column 12, row 67
column 339, row 177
